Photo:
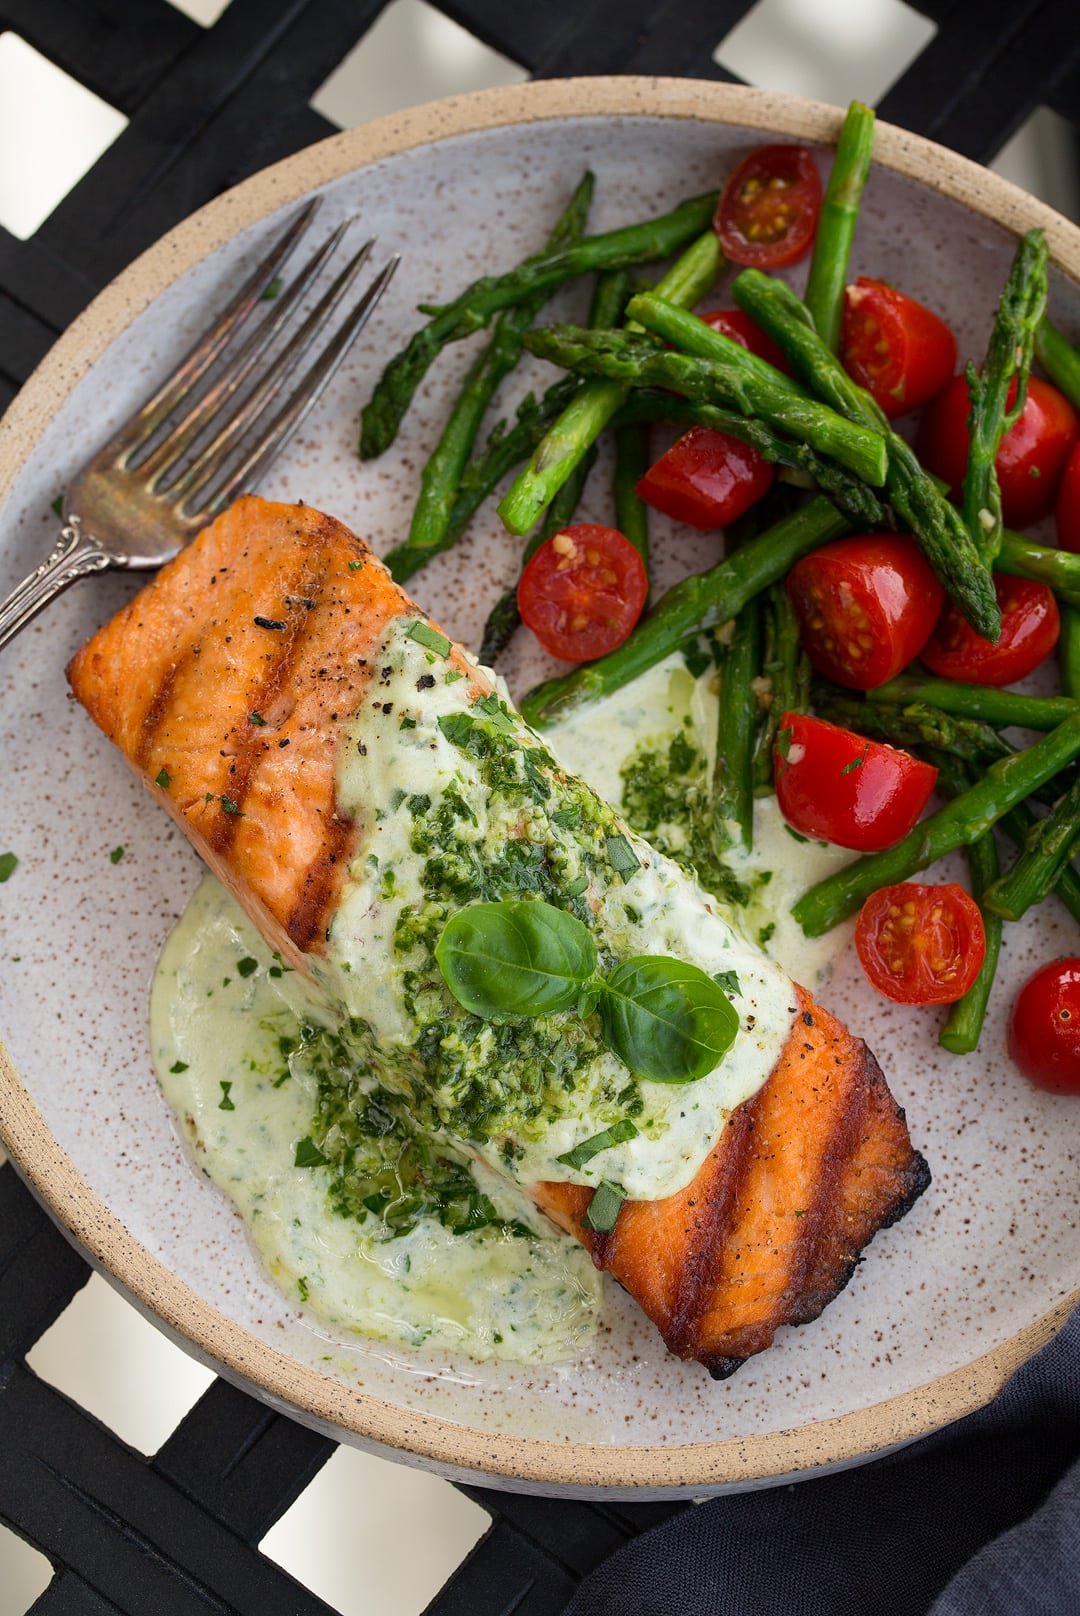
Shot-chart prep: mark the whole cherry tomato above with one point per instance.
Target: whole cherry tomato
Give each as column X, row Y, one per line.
column 707, row 479
column 740, row 328
column 768, row 211
column 1031, row 456
column 1030, row 623
column 583, row 591
column 840, row 787
column 921, row 944
column 1067, row 510
column 894, row 346
column 1044, row 1027
column 866, row 606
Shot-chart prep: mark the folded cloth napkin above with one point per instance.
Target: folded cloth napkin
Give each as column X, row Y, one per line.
column 981, row 1519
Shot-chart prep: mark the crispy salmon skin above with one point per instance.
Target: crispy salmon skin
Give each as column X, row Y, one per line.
column 227, row 684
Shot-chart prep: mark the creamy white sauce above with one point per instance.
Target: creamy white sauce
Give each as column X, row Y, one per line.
column 657, row 909
column 487, row 1293
column 597, row 741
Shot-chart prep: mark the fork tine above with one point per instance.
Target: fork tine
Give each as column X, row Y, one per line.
column 215, row 454
column 169, row 449
column 263, row 450
column 195, row 363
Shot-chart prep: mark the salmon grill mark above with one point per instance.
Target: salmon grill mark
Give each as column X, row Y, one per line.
column 318, row 894
column 158, row 709
column 708, row 1247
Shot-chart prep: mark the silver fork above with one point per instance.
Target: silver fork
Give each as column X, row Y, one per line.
column 204, row 437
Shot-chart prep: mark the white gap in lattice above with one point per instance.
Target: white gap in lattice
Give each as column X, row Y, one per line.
column 205, row 12
column 1042, row 157
column 412, row 54
column 369, row 1535
column 52, row 130
column 24, row 1573
column 114, row 1363
column 829, row 50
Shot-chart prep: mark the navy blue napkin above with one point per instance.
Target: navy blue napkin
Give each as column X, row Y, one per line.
column 981, row 1519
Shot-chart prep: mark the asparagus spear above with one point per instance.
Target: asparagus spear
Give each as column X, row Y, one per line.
column 915, row 724
column 1009, row 355
column 631, row 464
column 478, row 303
column 1047, row 849
column 696, row 602
column 961, row 1031
column 917, row 499
column 505, row 449
column 1059, row 359
column 1004, row 785
column 1017, row 825
column 785, row 665
column 755, row 389
column 441, row 477
column 738, row 661
column 1060, row 569
column 582, row 422
column 1069, row 652
column 1000, row 707
column 836, row 225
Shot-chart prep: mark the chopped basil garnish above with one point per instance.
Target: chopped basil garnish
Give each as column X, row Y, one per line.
column 273, row 289
column 308, row 1154
column 856, row 763
column 231, row 807
column 116, row 855
column 257, row 718
column 605, row 1206
column 8, row 865
column 225, row 1104
column 247, row 966
column 178, row 1066
column 617, row 1134
column 428, row 637
column 621, row 856
column 163, row 779
column 728, row 981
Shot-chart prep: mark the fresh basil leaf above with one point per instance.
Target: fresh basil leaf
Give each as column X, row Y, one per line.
column 603, row 1210
column 617, row 1134
column 666, row 1020
column 518, row 957
column 457, row 727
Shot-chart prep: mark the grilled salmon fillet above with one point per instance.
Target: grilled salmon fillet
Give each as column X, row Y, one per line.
column 227, row 684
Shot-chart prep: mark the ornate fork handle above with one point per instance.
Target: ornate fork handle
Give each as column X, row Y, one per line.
column 72, row 557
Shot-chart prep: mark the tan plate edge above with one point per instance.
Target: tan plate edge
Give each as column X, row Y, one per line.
column 22, row 1128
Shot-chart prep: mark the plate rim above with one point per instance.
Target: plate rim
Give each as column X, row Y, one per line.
column 445, row 1444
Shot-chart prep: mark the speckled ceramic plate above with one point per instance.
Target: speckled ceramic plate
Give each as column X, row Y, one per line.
column 946, row 1304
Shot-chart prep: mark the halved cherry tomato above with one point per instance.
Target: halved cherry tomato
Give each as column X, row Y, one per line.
column 1067, row 510
column 866, row 606
column 894, row 346
column 707, row 479
column 1044, row 1027
column 769, row 208
column 740, row 328
column 921, row 944
column 839, row 787
column 1030, row 624
column 1030, row 459
column 583, row 591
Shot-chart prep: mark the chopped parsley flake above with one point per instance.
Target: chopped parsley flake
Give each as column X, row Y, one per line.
column 178, row 1066
column 273, row 289
column 617, row 1134
column 453, row 676
column 163, row 779
column 727, row 981
column 429, row 637
column 231, row 807
column 605, row 1206
column 856, row 763
column 225, row 1104
column 116, row 855
column 247, row 966
column 8, row 865
column 257, row 718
